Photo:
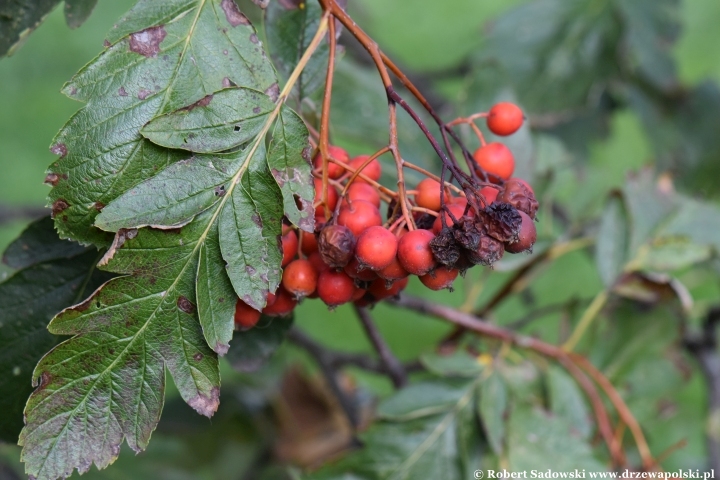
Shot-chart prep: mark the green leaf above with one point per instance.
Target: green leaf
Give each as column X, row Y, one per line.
column 249, row 227
column 38, row 244
column 611, row 248
column 458, row 364
column 492, row 404
column 289, row 30
column 18, row 19
column 77, row 11
column 172, row 54
column 422, row 399
column 649, row 208
column 671, row 253
column 54, row 274
column 535, row 438
column 174, row 196
column 568, row 402
column 290, row 164
column 111, row 374
column 252, row 348
column 218, row 122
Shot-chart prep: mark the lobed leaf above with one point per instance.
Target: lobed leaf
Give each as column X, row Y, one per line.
column 18, row 19
column 53, row 275
column 163, row 56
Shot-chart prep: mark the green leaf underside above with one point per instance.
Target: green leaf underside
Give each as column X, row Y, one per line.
column 218, row 122
column 425, row 446
column 59, row 277
column 165, row 55
column 18, row 19
column 289, row 32
column 611, row 251
column 492, row 404
column 290, row 164
column 77, row 11
column 252, row 348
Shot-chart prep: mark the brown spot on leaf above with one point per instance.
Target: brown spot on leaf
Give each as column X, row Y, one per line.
column 59, row 206
column 52, row 179
column 250, row 270
column 122, row 92
column 273, row 92
column 107, row 44
column 203, row 102
column 99, row 206
column 206, row 405
column 280, row 177
column 257, row 110
column 143, row 94
column 257, row 220
column 220, row 191
column 227, row 83
column 185, row 305
column 147, row 42
column 233, row 14
column 59, row 149
column 307, row 154
column 44, row 380
column 221, row 348
column 254, row 38
column 198, row 356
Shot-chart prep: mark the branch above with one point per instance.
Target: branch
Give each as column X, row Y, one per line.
column 704, row 348
column 390, row 363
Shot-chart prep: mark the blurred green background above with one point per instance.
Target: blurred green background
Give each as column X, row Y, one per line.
column 434, row 40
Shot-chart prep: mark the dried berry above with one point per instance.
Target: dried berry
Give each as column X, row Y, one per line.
column 444, row 247
column 501, row 221
column 336, row 245
column 526, row 238
column 488, row 252
column 519, row 194
column 467, row 234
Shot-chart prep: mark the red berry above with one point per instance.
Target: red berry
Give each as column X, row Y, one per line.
column 394, row 271
column 429, row 194
column 335, row 171
column 380, row 290
column 362, row 191
column 456, row 209
column 462, row 201
column 440, row 278
column 358, row 294
column 526, row 237
column 376, row 248
column 356, row 271
column 309, row 242
column 317, row 262
column 414, row 252
column 300, row 278
column 335, row 288
column 245, row 316
column 270, row 299
column 495, row 159
column 505, row 118
column 358, row 216
column 372, row 170
column 289, row 247
column 284, row 304
column 331, row 200
column 490, row 194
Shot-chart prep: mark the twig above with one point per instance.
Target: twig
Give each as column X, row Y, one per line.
column 703, row 347
column 394, row 368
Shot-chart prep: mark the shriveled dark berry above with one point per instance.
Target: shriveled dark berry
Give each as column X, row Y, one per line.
column 519, row 194
column 445, row 248
column 336, row 245
column 467, row 234
column 501, row 221
column 488, row 252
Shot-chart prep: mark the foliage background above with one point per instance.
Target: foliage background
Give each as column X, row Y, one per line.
column 436, row 42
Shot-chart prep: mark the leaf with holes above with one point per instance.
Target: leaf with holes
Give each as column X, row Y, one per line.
column 172, row 54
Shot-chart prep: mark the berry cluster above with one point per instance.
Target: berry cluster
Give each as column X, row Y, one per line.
column 355, row 255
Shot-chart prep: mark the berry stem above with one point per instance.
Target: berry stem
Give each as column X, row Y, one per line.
column 324, row 142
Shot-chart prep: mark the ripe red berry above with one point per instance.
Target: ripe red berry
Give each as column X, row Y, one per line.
column 300, row 278
column 284, row 304
column 496, row 160
column 414, row 252
column 331, row 200
column 270, row 299
column 462, row 201
column 358, row 272
column 362, row 191
column 289, row 247
column 335, row 288
column 335, row 171
column 505, row 118
column 429, row 194
column 358, row 294
column 490, row 194
column 526, row 237
column 376, row 248
column 245, row 316
column 380, row 289
column 456, row 209
column 309, row 242
column 372, row 170
column 440, row 278
column 394, row 271
column 317, row 262
column 358, row 216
